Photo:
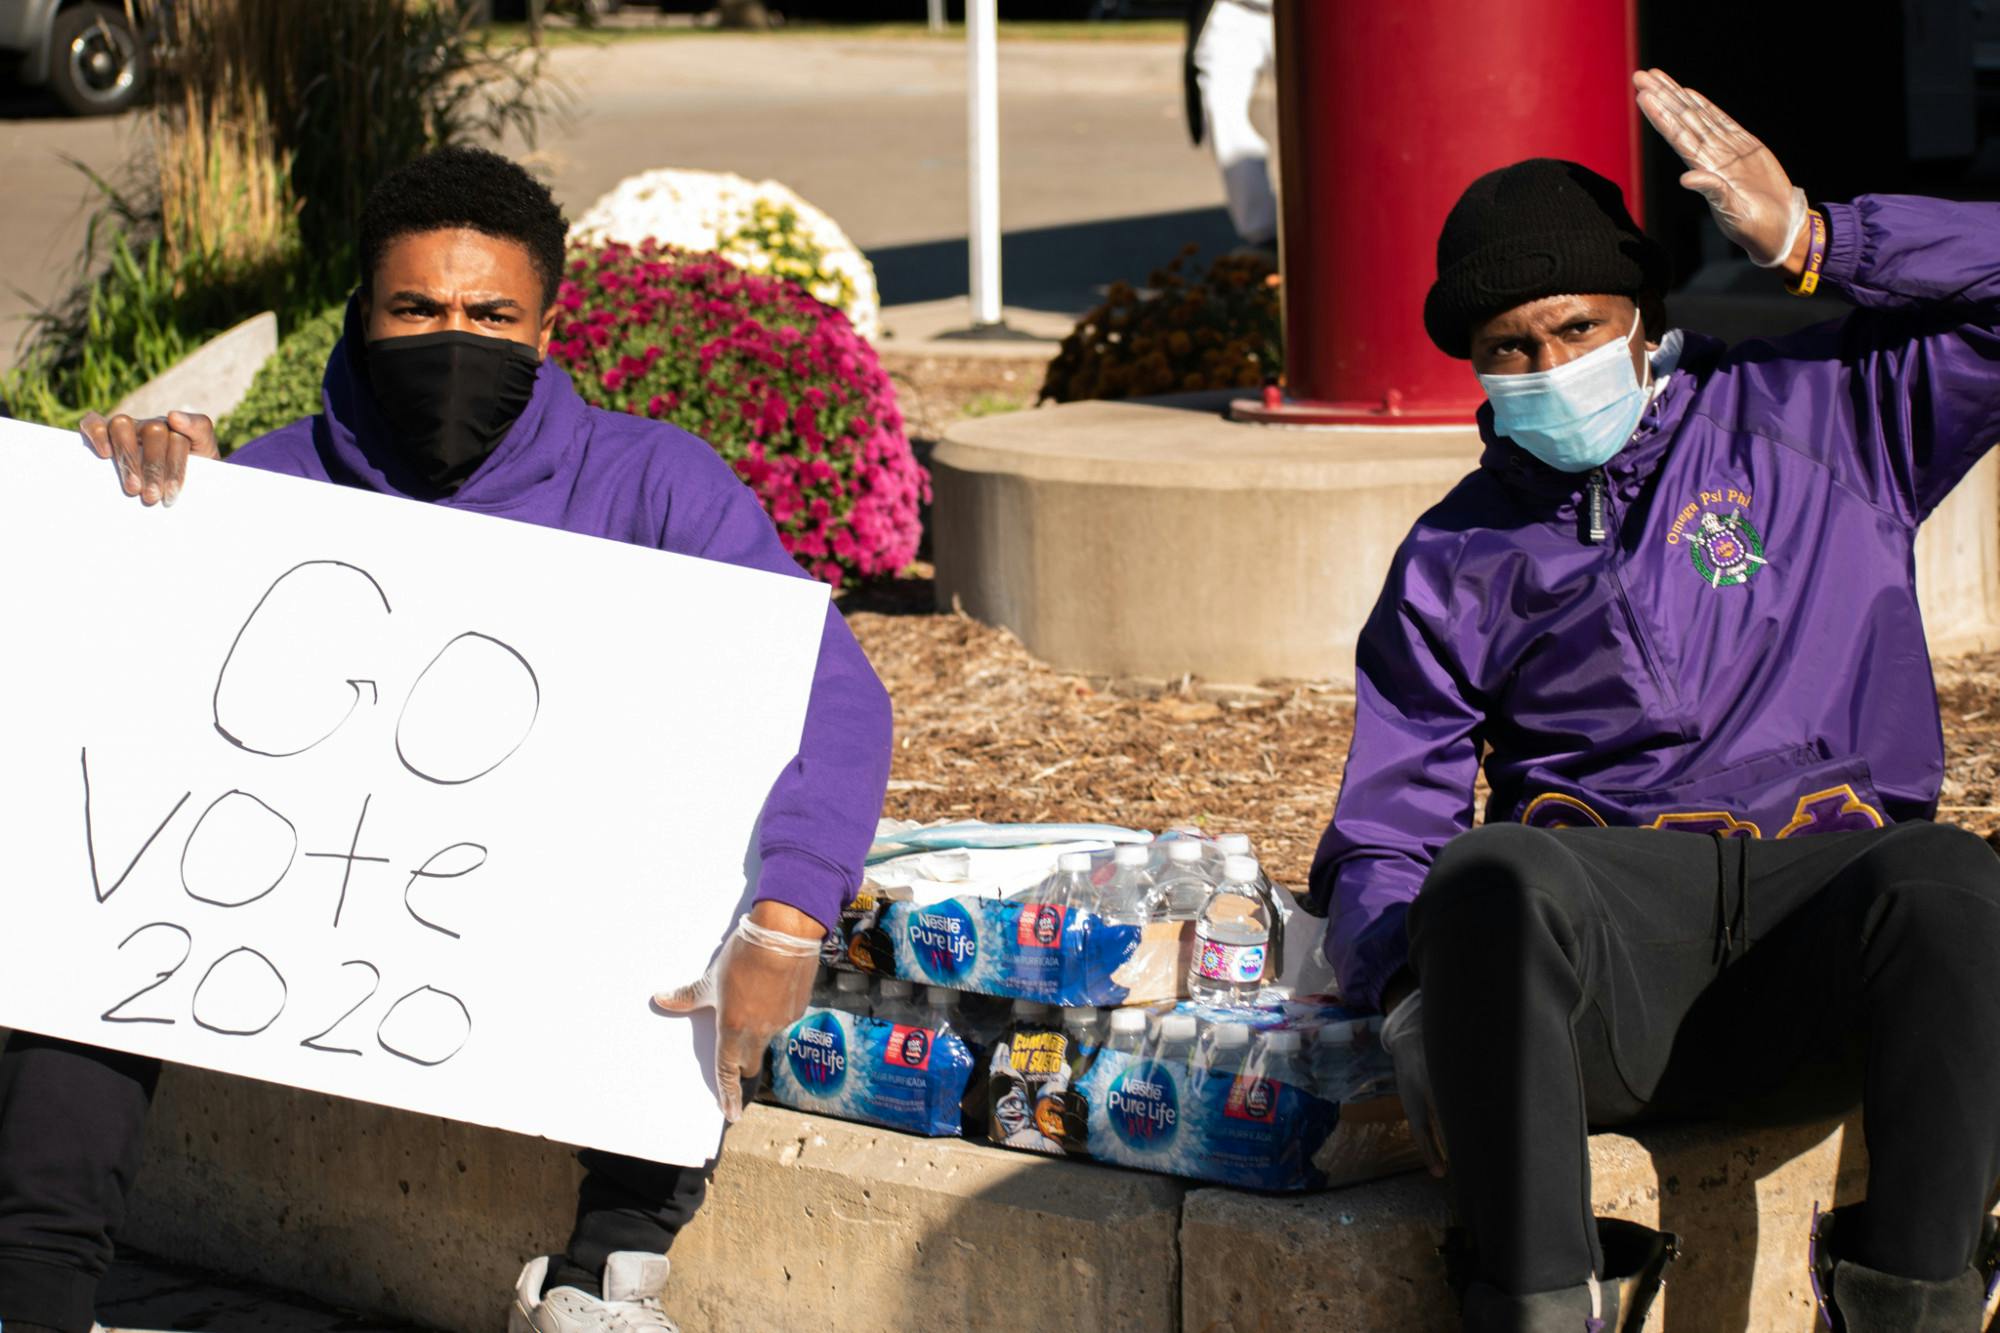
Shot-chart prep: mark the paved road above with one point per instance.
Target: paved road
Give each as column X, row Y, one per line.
column 1098, row 178
column 49, row 200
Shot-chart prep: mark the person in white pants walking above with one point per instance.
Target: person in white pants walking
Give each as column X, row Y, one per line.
column 1230, row 46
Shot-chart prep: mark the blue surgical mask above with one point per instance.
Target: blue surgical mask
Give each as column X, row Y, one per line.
column 1575, row 417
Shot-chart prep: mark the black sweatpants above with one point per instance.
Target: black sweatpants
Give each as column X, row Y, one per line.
column 72, row 1123
column 1594, row 977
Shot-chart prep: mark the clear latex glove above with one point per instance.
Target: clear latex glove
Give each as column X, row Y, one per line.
column 1754, row 201
column 758, row 986
column 150, row 453
column 1403, row 1038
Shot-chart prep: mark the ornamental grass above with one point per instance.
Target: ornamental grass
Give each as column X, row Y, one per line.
column 270, row 122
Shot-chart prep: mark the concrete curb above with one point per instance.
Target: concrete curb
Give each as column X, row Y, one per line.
column 818, row 1223
column 213, row 378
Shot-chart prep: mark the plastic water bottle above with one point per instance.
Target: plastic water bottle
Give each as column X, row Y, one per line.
column 1083, row 1026
column 1166, row 841
column 1029, row 1013
column 940, row 1008
column 1185, row 883
column 822, row 991
column 1336, row 1060
column 1223, row 1050
column 1173, row 1041
column 1128, row 1031
column 850, row 993
column 1279, row 1056
column 1231, row 844
column 1232, row 939
column 1069, row 887
column 1128, row 899
column 895, row 1002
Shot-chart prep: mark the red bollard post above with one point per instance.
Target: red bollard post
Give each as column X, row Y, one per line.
column 1387, row 110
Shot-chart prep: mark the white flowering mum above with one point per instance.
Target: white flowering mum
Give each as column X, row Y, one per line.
column 761, row 226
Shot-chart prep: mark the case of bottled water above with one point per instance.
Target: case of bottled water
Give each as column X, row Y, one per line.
column 902, row 1061
column 1291, row 1096
column 1105, row 928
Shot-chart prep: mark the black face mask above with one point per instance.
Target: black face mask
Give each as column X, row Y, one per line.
column 449, row 398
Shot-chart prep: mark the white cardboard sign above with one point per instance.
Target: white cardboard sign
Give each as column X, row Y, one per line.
column 380, row 799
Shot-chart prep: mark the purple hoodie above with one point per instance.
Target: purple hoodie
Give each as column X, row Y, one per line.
column 1742, row 653
column 579, row 468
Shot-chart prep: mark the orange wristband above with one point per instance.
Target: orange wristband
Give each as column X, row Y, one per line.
column 1808, row 282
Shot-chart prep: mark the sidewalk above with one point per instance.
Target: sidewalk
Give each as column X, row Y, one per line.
column 142, row 1294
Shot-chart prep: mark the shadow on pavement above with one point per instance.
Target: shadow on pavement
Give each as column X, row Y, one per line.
column 22, row 103
column 1062, row 269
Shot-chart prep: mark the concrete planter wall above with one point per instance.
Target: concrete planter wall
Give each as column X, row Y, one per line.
column 815, row 1223
column 1154, row 539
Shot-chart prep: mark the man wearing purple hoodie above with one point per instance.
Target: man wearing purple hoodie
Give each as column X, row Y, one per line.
column 1673, row 614
column 441, row 391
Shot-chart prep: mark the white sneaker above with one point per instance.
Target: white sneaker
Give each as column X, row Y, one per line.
column 633, row 1281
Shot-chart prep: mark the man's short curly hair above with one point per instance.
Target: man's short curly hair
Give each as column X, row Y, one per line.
column 465, row 187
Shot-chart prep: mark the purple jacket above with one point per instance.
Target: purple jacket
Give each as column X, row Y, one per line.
column 1742, row 653
column 566, row 465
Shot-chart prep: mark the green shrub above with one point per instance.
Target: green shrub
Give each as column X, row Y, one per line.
column 287, row 385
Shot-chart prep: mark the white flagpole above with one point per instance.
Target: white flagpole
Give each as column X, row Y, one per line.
column 983, row 150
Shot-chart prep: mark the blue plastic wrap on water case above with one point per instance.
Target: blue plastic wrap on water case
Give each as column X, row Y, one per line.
column 883, row 1073
column 1020, row 950
column 1268, row 1117
column 1233, row 1129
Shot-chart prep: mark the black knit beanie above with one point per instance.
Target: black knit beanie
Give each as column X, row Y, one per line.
column 1543, row 227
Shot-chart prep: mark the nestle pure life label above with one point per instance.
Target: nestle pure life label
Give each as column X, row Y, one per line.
column 882, row 1073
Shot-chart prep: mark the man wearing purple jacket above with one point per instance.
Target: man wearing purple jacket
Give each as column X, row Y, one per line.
column 1673, row 614
column 440, row 391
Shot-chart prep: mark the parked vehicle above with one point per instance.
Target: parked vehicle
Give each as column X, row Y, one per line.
column 85, row 52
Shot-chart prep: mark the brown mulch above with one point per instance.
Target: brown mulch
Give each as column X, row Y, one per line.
column 935, row 391
column 1969, row 705
column 984, row 731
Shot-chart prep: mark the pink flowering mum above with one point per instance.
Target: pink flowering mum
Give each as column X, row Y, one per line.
column 780, row 385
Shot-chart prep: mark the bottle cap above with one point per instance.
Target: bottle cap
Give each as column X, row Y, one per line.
column 893, row 989
column 1240, row 870
column 1233, row 844
column 1128, row 1020
column 1078, row 1017
column 1030, row 1009
column 1131, row 854
column 1282, row 1042
column 1073, row 862
column 1184, row 849
column 1231, row 1034
column 1177, row 1027
column 850, row 983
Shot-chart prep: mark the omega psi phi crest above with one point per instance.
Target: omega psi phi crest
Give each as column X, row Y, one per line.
column 1726, row 549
